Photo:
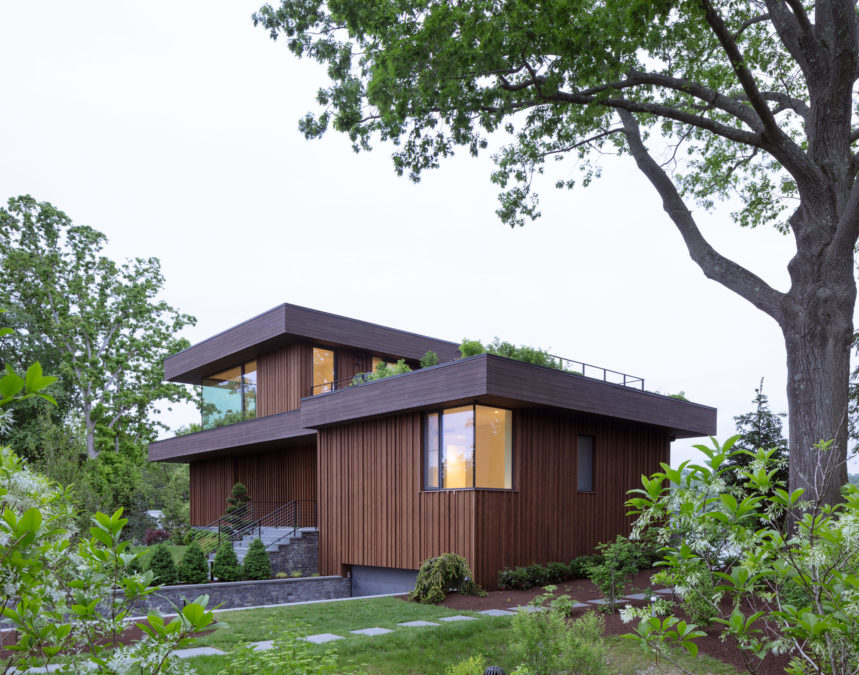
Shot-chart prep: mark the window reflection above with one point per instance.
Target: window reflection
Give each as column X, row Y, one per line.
column 229, row 396
column 493, row 448
column 458, row 444
column 431, row 466
column 585, row 451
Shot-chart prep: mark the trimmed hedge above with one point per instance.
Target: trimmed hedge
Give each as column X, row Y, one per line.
column 194, row 569
column 529, row 576
column 226, row 566
column 162, row 566
column 256, row 564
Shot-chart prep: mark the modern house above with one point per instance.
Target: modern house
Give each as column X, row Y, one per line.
column 504, row 462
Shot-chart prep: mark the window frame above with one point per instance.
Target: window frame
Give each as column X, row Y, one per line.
column 593, row 464
column 242, row 391
column 335, row 358
column 440, row 435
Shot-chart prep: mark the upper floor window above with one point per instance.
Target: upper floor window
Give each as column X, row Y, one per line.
column 323, row 370
column 468, row 447
column 230, row 396
column 378, row 359
column 585, row 463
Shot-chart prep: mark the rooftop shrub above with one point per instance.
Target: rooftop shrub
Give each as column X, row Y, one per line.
column 535, row 355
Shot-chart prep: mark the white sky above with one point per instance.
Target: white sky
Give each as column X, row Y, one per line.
column 172, row 128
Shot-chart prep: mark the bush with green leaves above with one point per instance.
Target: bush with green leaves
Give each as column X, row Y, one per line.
column 290, row 654
column 226, row 566
column 162, row 566
column 473, row 665
column 579, row 567
column 193, row 568
column 546, row 643
column 256, row 564
column 535, row 355
column 773, row 583
column 441, row 575
column 621, row 559
column 430, row 358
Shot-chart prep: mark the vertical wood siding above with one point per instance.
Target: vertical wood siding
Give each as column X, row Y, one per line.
column 271, row 478
column 284, row 376
column 545, row 519
column 373, row 511
column 371, row 508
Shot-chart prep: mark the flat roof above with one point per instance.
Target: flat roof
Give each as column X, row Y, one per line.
column 503, row 382
column 290, row 323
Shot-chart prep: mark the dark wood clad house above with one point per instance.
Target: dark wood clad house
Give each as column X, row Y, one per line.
column 503, row 462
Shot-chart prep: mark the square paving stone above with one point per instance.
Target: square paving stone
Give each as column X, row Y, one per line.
column 323, row 637
column 417, row 623
column 458, row 617
column 262, row 645
column 664, row 591
column 636, row 596
column 497, row 612
column 527, row 608
column 371, row 631
column 198, row 651
column 599, row 601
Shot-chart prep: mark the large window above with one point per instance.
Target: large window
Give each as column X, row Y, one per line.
column 323, row 370
column 585, row 451
column 230, row 396
column 468, row 447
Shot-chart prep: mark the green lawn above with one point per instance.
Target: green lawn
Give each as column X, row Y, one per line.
column 406, row 650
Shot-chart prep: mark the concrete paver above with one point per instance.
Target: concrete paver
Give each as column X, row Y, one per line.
column 321, row 638
column 371, row 631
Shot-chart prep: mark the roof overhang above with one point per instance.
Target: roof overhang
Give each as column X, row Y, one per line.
column 291, row 323
column 257, row 435
column 494, row 380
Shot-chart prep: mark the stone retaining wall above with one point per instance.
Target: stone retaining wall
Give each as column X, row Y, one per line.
column 248, row 593
column 301, row 553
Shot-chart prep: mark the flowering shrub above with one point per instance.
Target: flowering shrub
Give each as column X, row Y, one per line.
column 774, row 583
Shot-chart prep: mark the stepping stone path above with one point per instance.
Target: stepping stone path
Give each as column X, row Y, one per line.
column 458, row 617
column 371, row 631
column 262, row 645
column 497, row 612
column 410, row 624
column 322, row 638
column 197, row 651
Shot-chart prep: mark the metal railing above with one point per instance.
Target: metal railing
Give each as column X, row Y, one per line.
column 555, row 362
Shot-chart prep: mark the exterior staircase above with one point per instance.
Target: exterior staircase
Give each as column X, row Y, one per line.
column 272, row 537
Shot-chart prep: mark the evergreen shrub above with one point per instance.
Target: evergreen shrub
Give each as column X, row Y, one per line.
column 437, row 576
column 194, row 569
column 256, row 564
column 226, row 565
column 162, row 566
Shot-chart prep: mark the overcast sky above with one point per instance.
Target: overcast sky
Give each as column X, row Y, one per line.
column 173, row 129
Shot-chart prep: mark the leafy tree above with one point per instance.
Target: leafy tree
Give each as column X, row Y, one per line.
column 99, row 321
column 760, row 428
column 193, row 568
column 711, row 99
column 226, row 565
column 256, row 564
column 162, row 566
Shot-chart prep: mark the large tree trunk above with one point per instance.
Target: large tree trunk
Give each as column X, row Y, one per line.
column 818, row 333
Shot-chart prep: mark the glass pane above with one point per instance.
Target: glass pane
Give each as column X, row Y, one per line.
column 250, row 389
column 431, row 452
column 493, row 448
column 458, row 447
column 586, row 464
column 323, row 370
column 222, row 398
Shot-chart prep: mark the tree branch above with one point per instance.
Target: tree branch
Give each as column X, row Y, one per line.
column 714, row 265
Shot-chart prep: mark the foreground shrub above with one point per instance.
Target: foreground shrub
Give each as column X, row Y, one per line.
column 226, row 565
column 193, row 569
column 545, row 643
column 290, row 654
column 162, row 566
column 475, row 665
column 438, row 576
column 256, row 564
column 734, row 542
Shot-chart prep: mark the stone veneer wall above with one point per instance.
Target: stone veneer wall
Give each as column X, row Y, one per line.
column 299, row 554
column 248, row 593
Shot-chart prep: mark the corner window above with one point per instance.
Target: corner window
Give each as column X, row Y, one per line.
column 468, row 447
column 323, row 370
column 585, row 464
column 230, row 396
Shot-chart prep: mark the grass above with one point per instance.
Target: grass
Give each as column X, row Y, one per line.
column 409, row 650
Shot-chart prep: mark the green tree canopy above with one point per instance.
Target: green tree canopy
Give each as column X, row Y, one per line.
column 711, row 99
column 99, row 324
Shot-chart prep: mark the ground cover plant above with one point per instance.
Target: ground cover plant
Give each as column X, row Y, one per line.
column 775, row 572
column 442, row 574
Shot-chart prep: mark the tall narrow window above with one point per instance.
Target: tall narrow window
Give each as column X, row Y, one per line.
column 585, row 464
column 493, row 456
column 323, row 370
column 431, row 464
column 457, row 438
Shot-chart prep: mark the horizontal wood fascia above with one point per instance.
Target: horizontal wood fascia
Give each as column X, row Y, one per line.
column 290, row 323
column 500, row 381
column 263, row 433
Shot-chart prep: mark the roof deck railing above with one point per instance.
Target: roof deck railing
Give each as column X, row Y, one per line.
column 561, row 363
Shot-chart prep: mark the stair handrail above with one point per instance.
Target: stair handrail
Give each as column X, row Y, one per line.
column 280, row 517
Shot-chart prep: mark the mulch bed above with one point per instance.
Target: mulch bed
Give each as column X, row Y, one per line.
column 583, row 589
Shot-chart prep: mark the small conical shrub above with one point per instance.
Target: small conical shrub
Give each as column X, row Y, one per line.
column 226, row 567
column 193, row 569
column 257, row 564
column 162, row 566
